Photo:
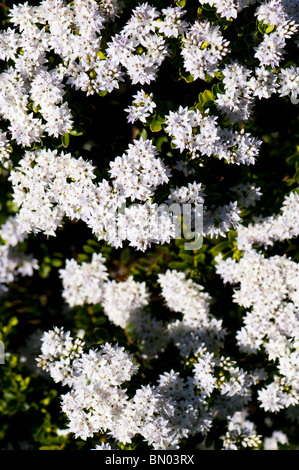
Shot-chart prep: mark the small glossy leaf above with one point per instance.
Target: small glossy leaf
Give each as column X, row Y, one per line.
column 155, row 125
column 65, row 140
column 270, row 29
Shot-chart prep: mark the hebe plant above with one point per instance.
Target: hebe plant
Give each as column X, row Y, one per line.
column 112, row 113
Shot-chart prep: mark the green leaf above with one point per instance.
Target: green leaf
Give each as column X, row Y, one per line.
column 218, row 88
column 219, row 75
column 143, row 134
column 208, row 95
column 188, row 77
column 293, row 159
column 219, row 248
column 186, row 257
column 206, row 99
column 88, row 249
column 57, row 263
column 160, row 118
column 296, row 176
column 204, row 45
column 77, row 131
column 232, row 235
column 65, row 140
column 160, row 141
column 125, row 256
column 93, row 242
column 155, row 125
column 269, row 29
column 200, row 258
column 82, row 257
column 177, row 265
column 44, row 271
column 208, row 78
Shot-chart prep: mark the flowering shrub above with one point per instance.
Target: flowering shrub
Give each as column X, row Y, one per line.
column 149, row 224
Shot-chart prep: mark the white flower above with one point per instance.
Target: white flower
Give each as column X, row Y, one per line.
column 172, row 25
column 236, row 102
column 241, row 433
column 266, row 230
column 141, row 108
column 264, row 84
column 272, row 443
column 229, row 8
column 288, row 80
column 138, row 172
column 123, row 302
column 197, row 326
column 203, row 48
column 84, row 284
column 248, row 194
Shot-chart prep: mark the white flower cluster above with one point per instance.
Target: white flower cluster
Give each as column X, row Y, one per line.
column 58, row 350
column 176, row 407
column 193, row 193
column 197, row 325
column 138, row 172
column 138, row 48
column 271, row 49
column 13, row 262
column 241, row 433
column 203, row 48
column 144, row 224
column 289, row 83
column 55, row 45
column 97, row 402
column 220, row 220
column 213, row 222
column 180, row 125
column 242, row 85
column 248, row 194
column 232, row 384
column 5, row 149
column 191, row 414
column 268, row 230
column 268, row 286
column 32, row 90
column 236, row 102
column 141, row 108
column 200, row 134
column 83, row 284
column 163, row 414
column 273, row 442
column 171, row 24
column 229, row 8
column 198, row 331
column 123, row 302
column 110, row 8
column 49, row 186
